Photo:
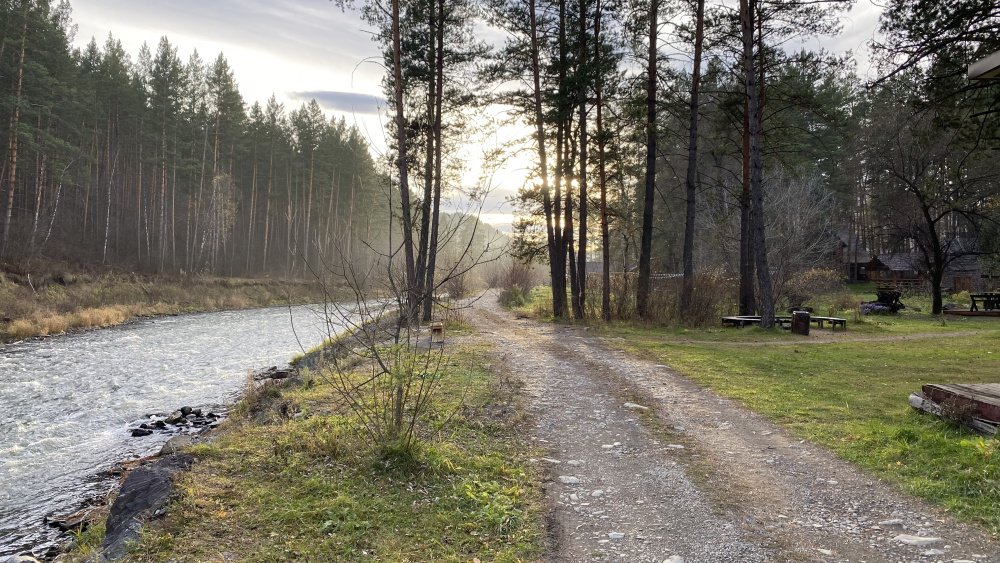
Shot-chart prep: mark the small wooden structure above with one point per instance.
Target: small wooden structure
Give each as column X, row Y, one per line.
column 437, row 333
column 975, row 406
column 983, row 397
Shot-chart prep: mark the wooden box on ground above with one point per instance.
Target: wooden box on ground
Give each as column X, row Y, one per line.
column 983, row 397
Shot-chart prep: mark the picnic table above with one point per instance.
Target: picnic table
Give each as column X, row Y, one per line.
column 989, row 301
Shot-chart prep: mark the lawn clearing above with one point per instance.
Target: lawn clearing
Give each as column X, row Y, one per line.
column 852, row 398
column 305, row 488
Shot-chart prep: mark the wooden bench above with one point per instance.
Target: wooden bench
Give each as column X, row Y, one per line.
column 834, row 322
column 989, row 301
column 742, row 321
column 782, row 320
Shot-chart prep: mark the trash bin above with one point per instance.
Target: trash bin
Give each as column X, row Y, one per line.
column 800, row 322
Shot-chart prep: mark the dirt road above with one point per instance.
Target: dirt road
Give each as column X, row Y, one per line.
column 706, row 481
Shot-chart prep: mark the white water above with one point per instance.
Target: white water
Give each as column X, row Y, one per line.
column 66, row 402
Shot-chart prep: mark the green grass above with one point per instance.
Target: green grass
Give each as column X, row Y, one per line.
column 851, row 397
column 308, row 489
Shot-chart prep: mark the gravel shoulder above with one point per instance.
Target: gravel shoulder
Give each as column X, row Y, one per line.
column 706, row 480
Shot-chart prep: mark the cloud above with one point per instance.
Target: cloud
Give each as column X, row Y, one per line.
column 345, row 102
column 300, row 44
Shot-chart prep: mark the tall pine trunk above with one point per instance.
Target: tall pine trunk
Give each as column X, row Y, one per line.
column 309, row 204
column 267, row 209
column 602, row 175
column 404, row 185
column 579, row 304
column 436, row 210
column 747, row 13
column 748, row 301
column 692, row 167
column 425, row 204
column 551, row 215
column 646, row 243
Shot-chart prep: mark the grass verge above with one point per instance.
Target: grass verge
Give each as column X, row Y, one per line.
column 851, row 397
column 288, row 480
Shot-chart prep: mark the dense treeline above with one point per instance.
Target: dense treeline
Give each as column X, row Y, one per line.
column 158, row 164
column 757, row 165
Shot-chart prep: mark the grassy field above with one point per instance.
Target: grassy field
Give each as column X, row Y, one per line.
column 850, row 395
column 67, row 302
column 278, row 487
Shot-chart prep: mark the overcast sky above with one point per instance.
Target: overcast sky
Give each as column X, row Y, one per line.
column 299, row 50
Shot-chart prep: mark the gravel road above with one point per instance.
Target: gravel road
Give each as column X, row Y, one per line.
column 707, row 481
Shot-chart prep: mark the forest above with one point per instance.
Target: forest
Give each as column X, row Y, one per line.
column 685, row 138
column 157, row 164
column 702, row 140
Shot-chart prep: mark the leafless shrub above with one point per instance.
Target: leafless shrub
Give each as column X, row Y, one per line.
column 843, row 301
column 517, row 273
column 457, row 285
column 804, row 286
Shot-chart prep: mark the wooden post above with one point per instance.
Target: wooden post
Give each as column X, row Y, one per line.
column 437, row 333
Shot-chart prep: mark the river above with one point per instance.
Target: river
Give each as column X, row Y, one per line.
column 66, row 403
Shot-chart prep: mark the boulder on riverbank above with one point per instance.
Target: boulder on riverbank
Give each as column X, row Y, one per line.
column 176, row 445
column 274, row 372
column 143, row 496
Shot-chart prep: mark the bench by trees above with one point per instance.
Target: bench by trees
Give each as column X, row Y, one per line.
column 784, row 321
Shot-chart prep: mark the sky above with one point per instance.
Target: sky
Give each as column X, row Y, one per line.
column 299, row 50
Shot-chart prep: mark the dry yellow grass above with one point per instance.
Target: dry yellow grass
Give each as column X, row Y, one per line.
column 21, row 328
column 53, row 324
column 104, row 316
column 88, row 300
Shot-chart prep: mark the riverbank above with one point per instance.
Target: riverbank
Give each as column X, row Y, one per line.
column 292, row 475
column 71, row 402
column 53, row 304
